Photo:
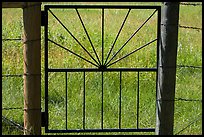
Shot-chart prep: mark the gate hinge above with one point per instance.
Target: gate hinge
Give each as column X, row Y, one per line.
column 43, row 119
column 42, row 18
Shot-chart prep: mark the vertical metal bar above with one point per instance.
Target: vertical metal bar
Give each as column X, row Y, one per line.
column 158, row 34
column 138, row 97
column 102, row 102
column 66, row 97
column 158, row 43
column 119, row 119
column 46, row 69
column 102, row 35
column 84, row 101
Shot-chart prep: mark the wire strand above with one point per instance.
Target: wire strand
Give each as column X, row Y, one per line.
column 192, row 122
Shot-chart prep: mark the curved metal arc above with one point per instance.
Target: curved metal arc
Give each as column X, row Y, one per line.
column 130, row 37
column 72, row 35
column 132, row 52
column 117, row 35
column 99, row 63
column 73, row 53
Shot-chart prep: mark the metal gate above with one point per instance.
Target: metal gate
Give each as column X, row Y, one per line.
column 91, row 83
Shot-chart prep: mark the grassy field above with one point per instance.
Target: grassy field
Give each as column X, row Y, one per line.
column 188, row 80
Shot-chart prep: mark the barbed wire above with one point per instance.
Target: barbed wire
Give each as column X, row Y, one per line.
column 192, row 122
column 12, row 123
column 184, row 99
column 190, row 4
column 12, row 75
column 189, row 27
column 189, row 66
column 15, row 39
column 180, row 99
column 176, row 99
column 182, row 66
column 12, row 108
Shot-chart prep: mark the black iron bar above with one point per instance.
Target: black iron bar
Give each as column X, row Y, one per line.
column 103, row 130
column 72, row 35
column 102, row 101
column 103, row 6
column 138, row 97
column 102, row 27
column 119, row 118
column 131, row 52
column 98, row 70
column 158, row 35
column 66, row 97
column 99, row 63
column 84, row 101
column 46, row 72
column 117, row 36
column 131, row 37
column 72, row 52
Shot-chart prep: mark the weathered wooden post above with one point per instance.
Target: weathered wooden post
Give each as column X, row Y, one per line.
column 32, row 67
column 167, row 68
column 32, row 64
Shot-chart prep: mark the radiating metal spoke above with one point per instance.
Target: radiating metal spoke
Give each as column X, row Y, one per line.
column 73, row 36
column 99, row 63
column 73, row 53
column 131, row 52
column 117, row 36
column 130, row 38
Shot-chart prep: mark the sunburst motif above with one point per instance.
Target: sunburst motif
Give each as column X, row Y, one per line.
column 102, row 63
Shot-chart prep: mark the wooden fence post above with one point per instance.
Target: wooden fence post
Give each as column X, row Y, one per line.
column 32, row 68
column 167, row 68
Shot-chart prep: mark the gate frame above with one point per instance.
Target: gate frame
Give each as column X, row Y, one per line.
column 101, row 68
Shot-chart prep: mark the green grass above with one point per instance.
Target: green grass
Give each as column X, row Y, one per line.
column 188, row 80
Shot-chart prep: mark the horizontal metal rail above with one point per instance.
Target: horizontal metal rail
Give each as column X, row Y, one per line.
column 103, row 6
column 104, row 130
column 99, row 70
